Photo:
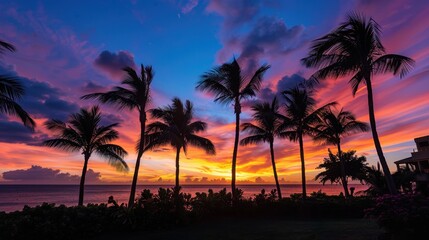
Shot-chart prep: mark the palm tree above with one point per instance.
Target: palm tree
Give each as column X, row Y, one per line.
column 354, row 48
column 135, row 96
column 228, row 85
column 10, row 91
column 302, row 115
column 83, row 133
column 335, row 126
column 176, row 128
column 357, row 168
column 269, row 124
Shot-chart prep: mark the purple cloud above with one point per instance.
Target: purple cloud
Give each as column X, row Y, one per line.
column 38, row 175
column 114, row 63
column 235, row 12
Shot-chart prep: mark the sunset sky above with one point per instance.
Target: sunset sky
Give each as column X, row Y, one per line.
column 66, row 49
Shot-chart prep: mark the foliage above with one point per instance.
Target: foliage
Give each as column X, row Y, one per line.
column 402, row 214
column 159, row 210
column 356, row 167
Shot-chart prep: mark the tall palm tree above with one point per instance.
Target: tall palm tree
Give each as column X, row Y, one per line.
column 176, row 128
column 83, row 133
column 357, row 167
column 228, row 85
column 269, row 125
column 10, row 91
column 300, row 108
column 335, row 126
column 136, row 95
column 354, row 48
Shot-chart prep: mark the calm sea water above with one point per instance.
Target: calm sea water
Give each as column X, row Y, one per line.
column 15, row 197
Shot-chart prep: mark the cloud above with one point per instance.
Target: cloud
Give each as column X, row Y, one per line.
column 114, row 63
column 40, row 175
column 41, row 100
column 15, row 132
column 189, row 6
column 259, row 180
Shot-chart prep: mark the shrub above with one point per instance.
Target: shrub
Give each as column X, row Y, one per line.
column 404, row 213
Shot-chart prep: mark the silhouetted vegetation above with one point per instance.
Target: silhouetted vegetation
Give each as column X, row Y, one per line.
column 83, row 132
column 354, row 49
column 229, row 85
column 269, row 125
column 159, row 211
column 135, row 96
column 12, row 90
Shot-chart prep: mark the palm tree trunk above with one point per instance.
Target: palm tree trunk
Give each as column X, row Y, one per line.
column 234, row 154
column 139, row 156
column 343, row 172
column 388, row 176
column 275, row 170
column 177, row 167
column 82, row 180
column 301, row 153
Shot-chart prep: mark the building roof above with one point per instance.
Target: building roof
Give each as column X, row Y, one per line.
column 405, row 160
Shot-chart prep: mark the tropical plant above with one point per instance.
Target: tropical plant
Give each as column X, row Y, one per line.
column 302, row 115
column 269, row 125
column 332, row 128
column 354, row 48
column 173, row 125
column 356, row 168
column 10, row 91
column 135, row 96
column 228, row 85
column 84, row 133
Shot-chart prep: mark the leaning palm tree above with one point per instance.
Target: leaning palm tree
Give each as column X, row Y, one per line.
column 135, row 96
column 10, row 91
column 269, row 125
column 354, row 48
column 176, row 128
column 228, row 85
column 332, row 128
column 83, row 133
column 302, row 115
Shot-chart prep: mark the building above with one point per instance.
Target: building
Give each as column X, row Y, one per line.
column 419, row 160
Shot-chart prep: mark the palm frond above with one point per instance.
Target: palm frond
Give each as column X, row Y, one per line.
column 9, row 106
column 393, row 63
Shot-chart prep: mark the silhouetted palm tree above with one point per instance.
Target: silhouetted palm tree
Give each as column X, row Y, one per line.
column 10, row 91
column 354, row 48
column 84, row 133
column 229, row 85
column 135, row 96
column 300, row 108
column 356, row 167
column 335, row 126
column 269, row 125
column 177, row 129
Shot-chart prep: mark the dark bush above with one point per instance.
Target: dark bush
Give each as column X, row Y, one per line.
column 165, row 209
column 402, row 214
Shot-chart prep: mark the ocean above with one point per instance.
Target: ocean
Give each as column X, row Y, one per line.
column 15, row 197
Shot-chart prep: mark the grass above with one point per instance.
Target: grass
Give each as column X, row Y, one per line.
column 252, row 229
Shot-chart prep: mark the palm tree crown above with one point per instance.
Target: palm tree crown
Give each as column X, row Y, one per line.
column 269, row 125
column 136, row 95
column 228, row 85
column 84, row 133
column 334, row 126
column 357, row 167
column 355, row 49
column 10, row 91
column 176, row 128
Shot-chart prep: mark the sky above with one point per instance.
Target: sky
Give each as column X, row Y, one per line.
column 66, row 49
